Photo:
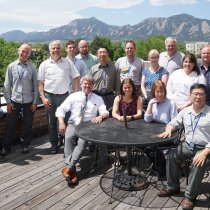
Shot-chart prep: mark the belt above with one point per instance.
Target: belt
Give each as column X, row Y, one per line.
column 57, row 94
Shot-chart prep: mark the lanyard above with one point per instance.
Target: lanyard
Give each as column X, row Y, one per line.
column 130, row 63
column 196, row 123
column 21, row 71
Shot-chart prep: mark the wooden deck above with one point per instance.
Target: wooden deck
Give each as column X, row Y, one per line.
column 35, row 181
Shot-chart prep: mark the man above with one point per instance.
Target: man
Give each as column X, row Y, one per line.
column 205, row 69
column 79, row 64
column 84, row 55
column 195, row 120
column 84, row 106
column 106, row 78
column 54, row 76
column 171, row 59
column 130, row 66
column 21, row 95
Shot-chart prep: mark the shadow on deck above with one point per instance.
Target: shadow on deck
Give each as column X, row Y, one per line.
column 35, row 181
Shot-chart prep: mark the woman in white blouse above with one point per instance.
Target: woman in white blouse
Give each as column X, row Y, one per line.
column 180, row 81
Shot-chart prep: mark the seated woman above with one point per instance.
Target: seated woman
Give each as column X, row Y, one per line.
column 129, row 102
column 151, row 74
column 163, row 110
column 160, row 108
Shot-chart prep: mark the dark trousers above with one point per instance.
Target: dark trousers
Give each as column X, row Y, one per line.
column 27, row 122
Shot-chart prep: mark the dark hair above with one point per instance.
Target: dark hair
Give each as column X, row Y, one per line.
column 104, row 48
column 70, row 42
column 131, row 41
column 198, row 86
column 158, row 84
column 128, row 81
column 193, row 60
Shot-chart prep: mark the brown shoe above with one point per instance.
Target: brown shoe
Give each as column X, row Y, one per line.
column 164, row 192
column 188, row 204
column 66, row 172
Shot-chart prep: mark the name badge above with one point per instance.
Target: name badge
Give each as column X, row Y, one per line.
column 192, row 146
column 124, row 68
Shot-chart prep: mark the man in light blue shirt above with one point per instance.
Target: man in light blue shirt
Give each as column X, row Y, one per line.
column 196, row 120
column 21, row 95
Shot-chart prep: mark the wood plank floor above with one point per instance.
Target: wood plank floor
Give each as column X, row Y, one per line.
column 35, row 181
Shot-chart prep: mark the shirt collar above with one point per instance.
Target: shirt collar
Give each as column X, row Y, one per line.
column 60, row 60
column 191, row 110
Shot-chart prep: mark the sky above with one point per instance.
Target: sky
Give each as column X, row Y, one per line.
column 43, row 15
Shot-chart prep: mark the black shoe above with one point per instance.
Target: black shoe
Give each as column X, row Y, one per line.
column 53, row 149
column 60, row 143
column 25, row 149
column 4, row 152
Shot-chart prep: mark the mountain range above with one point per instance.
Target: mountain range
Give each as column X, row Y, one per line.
column 183, row 27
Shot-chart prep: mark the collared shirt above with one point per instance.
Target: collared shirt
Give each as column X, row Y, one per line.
column 206, row 73
column 105, row 77
column 57, row 76
column 74, row 103
column 89, row 61
column 133, row 69
column 178, row 85
column 80, row 66
column 202, row 130
column 21, row 83
column 171, row 63
column 162, row 112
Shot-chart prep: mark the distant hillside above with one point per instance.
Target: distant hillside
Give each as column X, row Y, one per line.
column 184, row 27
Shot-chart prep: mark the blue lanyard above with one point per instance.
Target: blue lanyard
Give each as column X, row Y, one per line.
column 196, row 123
column 21, row 71
column 74, row 61
column 130, row 63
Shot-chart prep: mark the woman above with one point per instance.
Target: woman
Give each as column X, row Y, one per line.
column 160, row 108
column 153, row 73
column 180, row 81
column 127, row 101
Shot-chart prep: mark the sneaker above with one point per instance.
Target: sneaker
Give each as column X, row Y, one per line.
column 60, row 143
column 53, row 150
column 25, row 150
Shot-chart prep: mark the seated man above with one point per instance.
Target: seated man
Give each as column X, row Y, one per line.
column 196, row 120
column 84, row 106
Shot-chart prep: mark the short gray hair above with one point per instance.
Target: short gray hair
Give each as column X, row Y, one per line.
column 170, row 39
column 86, row 78
column 55, row 42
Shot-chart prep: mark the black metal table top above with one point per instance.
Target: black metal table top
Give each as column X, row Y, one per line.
column 113, row 132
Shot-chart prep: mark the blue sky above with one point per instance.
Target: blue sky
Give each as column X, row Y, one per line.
column 42, row 15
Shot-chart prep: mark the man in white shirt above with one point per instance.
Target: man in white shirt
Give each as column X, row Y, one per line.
column 195, row 119
column 84, row 106
column 54, row 77
column 171, row 59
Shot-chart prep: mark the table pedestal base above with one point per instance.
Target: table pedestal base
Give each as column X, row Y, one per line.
column 132, row 182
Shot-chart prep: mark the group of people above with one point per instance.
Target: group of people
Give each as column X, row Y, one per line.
column 174, row 90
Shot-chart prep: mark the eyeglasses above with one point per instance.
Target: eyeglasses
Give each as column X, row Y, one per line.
column 199, row 94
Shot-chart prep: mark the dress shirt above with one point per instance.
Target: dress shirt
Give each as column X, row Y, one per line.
column 89, row 61
column 178, row 85
column 202, row 131
column 105, row 77
column 171, row 63
column 162, row 112
column 57, row 76
column 133, row 69
column 206, row 73
column 80, row 66
column 74, row 103
column 20, row 84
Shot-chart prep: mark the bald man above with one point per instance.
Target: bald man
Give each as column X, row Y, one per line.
column 21, row 95
column 84, row 55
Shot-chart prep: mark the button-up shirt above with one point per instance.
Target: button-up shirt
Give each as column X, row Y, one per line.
column 20, row 83
column 57, row 76
column 74, row 103
column 202, row 130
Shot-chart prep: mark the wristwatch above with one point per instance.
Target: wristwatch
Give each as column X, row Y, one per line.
column 132, row 117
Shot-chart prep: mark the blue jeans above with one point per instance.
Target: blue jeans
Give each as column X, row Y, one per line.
column 56, row 101
column 27, row 122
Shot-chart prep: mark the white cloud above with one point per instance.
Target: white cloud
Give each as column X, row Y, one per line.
column 163, row 2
